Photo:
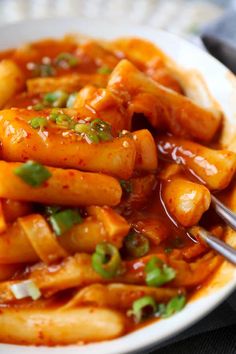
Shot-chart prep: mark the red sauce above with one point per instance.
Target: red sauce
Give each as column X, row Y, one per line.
column 144, row 207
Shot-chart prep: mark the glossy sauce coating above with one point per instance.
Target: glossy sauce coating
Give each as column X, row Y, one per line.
column 124, row 182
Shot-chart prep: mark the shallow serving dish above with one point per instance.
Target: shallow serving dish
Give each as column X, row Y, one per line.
column 222, row 86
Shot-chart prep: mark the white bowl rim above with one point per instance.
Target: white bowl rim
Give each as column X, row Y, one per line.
column 28, row 30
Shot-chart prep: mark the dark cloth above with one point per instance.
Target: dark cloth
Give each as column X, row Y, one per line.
column 220, row 341
column 215, row 334
column 220, row 39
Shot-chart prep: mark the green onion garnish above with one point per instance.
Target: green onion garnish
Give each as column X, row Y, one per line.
column 146, row 306
column 100, row 125
column 57, row 99
column 153, row 263
column 33, row 173
column 54, row 114
column 38, row 107
column 176, row 304
column 71, row 100
column 24, row 289
column 64, row 220
column 61, row 119
column 143, row 308
column 38, row 122
column 106, row 260
column 81, row 128
column 126, row 186
column 66, row 60
column 43, row 70
column 136, row 245
column 161, row 310
column 64, row 121
column 102, row 129
column 105, row 136
column 104, row 70
column 96, row 131
column 92, row 137
column 158, row 273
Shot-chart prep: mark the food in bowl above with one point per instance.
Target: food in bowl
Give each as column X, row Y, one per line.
column 105, row 165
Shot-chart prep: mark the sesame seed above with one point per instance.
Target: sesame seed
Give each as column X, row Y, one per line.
column 87, row 139
column 30, row 66
column 123, row 132
column 125, row 144
column 46, row 60
column 65, row 134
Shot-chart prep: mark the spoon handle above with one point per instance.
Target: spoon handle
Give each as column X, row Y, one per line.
column 225, row 213
column 219, row 246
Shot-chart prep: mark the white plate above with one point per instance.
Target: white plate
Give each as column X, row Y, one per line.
column 222, row 85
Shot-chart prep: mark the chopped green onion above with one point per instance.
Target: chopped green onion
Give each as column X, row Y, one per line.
column 104, row 70
column 71, row 100
column 67, row 60
column 102, row 128
column 92, row 137
column 136, row 244
column 81, row 128
column 54, row 114
column 50, row 97
column 158, row 276
column 146, row 306
column 141, row 308
column 176, row 304
column 61, row 119
column 26, row 288
column 106, row 260
column 33, row 173
column 64, row 121
column 64, row 220
column 158, row 273
column 57, row 99
column 38, row 107
column 105, row 136
column 153, row 263
column 96, row 131
column 126, row 186
column 161, row 310
column 43, row 70
column 100, row 125
column 38, row 122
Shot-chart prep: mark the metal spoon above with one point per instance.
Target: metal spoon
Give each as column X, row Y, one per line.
column 229, row 217
column 225, row 213
column 219, row 246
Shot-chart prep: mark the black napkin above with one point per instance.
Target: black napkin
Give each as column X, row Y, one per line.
column 220, row 39
column 208, row 335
